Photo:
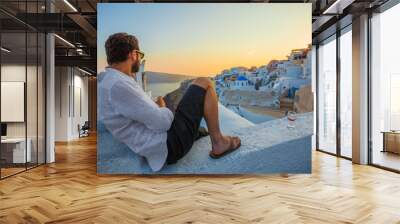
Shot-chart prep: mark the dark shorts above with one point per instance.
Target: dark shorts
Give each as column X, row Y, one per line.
column 185, row 126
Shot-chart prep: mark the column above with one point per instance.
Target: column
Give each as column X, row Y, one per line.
column 360, row 90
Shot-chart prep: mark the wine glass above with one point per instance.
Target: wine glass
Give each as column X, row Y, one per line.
column 291, row 116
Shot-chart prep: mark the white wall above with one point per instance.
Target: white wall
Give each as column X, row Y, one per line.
column 62, row 82
column 13, row 101
column 70, row 83
column 12, row 73
column 79, row 117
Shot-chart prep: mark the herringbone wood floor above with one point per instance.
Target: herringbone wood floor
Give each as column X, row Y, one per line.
column 69, row 191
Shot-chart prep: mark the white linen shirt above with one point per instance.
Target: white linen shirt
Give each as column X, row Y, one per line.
column 133, row 117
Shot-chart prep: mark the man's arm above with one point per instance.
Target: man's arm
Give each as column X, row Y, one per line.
column 136, row 105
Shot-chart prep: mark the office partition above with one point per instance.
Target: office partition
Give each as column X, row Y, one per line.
column 22, row 77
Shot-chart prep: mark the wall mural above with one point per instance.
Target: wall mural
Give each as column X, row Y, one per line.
column 213, row 89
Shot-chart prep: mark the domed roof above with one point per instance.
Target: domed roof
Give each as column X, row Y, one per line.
column 242, row 78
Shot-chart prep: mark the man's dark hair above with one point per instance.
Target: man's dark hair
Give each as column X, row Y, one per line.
column 118, row 46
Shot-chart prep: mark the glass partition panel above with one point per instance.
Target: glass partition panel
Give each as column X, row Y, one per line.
column 327, row 96
column 346, row 93
column 22, row 77
column 14, row 153
column 32, row 98
column 385, row 89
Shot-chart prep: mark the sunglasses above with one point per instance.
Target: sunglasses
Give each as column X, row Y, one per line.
column 140, row 53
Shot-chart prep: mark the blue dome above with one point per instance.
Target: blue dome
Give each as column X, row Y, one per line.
column 242, row 78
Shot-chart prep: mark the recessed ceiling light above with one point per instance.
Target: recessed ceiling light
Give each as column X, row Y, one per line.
column 338, row 6
column 70, row 5
column 84, row 71
column 5, row 50
column 64, row 40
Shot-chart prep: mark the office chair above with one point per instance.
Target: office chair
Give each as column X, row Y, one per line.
column 84, row 130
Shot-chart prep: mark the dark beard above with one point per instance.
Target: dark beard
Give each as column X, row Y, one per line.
column 135, row 67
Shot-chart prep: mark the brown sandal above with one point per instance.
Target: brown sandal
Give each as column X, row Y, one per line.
column 229, row 150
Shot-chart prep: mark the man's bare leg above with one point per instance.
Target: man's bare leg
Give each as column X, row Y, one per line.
column 220, row 143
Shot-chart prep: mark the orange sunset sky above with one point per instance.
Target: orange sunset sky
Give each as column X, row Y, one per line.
column 204, row 39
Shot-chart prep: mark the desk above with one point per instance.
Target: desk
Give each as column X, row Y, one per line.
column 391, row 141
column 16, row 147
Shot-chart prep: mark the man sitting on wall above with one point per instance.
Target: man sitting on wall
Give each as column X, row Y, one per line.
column 147, row 127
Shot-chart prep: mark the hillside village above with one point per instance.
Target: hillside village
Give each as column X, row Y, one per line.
column 280, row 85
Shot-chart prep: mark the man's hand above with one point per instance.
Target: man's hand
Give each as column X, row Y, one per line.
column 160, row 101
